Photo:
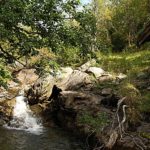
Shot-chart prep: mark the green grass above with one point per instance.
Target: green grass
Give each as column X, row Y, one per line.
column 128, row 63
column 145, row 102
column 131, row 64
column 145, row 135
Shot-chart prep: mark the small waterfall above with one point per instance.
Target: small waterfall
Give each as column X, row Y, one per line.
column 23, row 118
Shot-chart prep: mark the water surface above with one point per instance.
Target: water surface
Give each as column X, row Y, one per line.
column 48, row 139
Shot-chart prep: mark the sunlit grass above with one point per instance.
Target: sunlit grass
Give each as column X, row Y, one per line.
column 128, row 63
column 131, row 64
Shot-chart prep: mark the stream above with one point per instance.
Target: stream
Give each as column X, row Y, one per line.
column 48, row 139
column 26, row 132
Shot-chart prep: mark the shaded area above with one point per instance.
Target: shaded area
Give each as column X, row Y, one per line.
column 50, row 139
column 144, row 36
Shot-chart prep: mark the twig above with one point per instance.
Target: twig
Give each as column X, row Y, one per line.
column 88, row 138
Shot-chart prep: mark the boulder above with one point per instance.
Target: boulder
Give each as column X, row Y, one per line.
column 79, row 100
column 40, row 90
column 26, row 76
column 6, row 108
column 74, row 81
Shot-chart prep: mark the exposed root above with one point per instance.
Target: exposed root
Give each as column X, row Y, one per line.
column 112, row 140
column 120, row 128
column 87, row 143
column 137, row 141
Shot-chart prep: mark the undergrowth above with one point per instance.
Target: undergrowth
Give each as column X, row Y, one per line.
column 131, row 64
column 97, row 122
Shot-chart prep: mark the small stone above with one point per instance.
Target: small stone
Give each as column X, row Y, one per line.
column 121, row 76
column 106, row 91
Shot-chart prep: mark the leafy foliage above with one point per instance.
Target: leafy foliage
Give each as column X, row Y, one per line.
column 119, row 22
column 4, row 75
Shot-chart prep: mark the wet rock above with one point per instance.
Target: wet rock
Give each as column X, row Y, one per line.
column 144, row 128
column 40, row 90
column 97, row 72
column 36, row 109
column 7, row 106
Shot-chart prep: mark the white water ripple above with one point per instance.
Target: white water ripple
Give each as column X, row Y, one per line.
column 23, row 118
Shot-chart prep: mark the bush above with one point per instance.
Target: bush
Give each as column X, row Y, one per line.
column 69, row 56
column 4, row 75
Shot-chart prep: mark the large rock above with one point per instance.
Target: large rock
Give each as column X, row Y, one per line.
column 40, row 90
column 6, row 108
column 74, row 81
column 79, row 100
column 27, row 76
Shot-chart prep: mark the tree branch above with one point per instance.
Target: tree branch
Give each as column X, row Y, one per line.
column 10, row 56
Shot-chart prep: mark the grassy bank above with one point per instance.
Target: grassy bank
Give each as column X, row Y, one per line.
column 135, row 66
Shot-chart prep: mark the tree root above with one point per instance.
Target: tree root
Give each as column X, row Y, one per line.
column 120, row 130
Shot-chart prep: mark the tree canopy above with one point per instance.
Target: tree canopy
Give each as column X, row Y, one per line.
column 67, row 29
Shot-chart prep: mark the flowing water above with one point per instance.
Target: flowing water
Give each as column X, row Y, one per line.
column 25, row 132
column 23, row 118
